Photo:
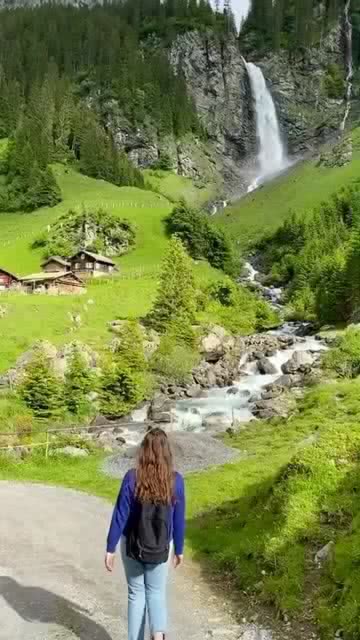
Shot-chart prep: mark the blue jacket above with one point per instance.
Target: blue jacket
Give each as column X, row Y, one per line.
column 125, row 504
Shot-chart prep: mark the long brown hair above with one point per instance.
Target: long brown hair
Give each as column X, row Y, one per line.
column 155, row 471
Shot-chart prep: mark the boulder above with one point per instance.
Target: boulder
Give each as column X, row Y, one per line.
column 300, row 361
column 217, row 421
column 265, row 367
column 73, row 452
column 287, row 381
column 193, row 391
column 232, row 391
column 324, row 554
column 213, row 345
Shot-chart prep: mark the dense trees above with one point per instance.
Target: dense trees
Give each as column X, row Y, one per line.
column 318, row 256
column 293, row 24
column 202, row 239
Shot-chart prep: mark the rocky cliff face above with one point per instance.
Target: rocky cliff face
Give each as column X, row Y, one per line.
column 218, row 81
column 308, row 116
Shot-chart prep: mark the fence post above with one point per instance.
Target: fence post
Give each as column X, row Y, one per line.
column 47, row 446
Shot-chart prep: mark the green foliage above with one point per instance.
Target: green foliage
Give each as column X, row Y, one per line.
column 334, row 81
column 176, row 296
column 344, row 359
column 318, row 256
column 99, row 156
column 236, row 308
column 121, row 390
column 202, row 239
column 41, row 390
column 129, row 350
column 110, row 235
column 174, row 360
column 291, row 24
column 79, row 381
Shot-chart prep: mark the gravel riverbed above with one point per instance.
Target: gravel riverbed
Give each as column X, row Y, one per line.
column 192, row 452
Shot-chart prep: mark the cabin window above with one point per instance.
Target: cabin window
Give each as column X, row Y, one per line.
column 77, row 265
column 89, row 265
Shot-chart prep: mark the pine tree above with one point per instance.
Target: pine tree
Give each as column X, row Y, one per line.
column 120, row 391
column 176, row 294
column 41, row 390
column 79, row 381
column 130, row 347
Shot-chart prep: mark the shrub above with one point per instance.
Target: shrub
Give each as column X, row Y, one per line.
column 334, row 81
column 202, row 239
column 344, row 359
column 174, row 361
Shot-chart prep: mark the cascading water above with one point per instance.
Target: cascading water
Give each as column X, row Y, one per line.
column 272, row 157
column 349, row 62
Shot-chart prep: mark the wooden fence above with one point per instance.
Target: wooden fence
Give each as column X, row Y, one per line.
column 47, row 433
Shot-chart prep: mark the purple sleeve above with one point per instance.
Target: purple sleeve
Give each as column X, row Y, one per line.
column 179, row 516
column 121, row 512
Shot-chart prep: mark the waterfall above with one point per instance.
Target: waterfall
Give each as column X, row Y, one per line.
column 272, row 157
column 349, row 62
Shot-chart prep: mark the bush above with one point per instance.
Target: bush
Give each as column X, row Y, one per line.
column 70, row 233
column 344, row 359
column 174, row 361
column 334, row 81
column 202, row 239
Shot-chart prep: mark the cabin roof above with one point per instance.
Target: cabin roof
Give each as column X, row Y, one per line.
column 48, row 277
column 95, row 256
column 58, row 259
column 8, row 273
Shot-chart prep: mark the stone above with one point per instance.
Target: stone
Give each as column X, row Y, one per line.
column 300, row 361
column 194, row 391
column 232, row 391
column 73, row 452
column 287, row 381
column 324, row 554
column 212, row 346
column 265, row 367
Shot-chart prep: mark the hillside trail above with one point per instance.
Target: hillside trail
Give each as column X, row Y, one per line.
column 53, row 585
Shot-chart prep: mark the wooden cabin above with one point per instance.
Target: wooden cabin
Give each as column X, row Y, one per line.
column 55, row 263
column 7, row 280
column 90, row 264
column 56, row 283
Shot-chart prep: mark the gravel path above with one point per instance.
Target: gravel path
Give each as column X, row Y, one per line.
column 53, row 585
column 192, row 452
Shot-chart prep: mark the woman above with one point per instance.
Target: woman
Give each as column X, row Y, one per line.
column 149, row 518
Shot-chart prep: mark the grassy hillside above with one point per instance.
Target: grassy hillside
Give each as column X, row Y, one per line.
column 303, row 187
column 130, row 294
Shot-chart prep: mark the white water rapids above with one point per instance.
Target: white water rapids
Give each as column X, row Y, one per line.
column 272, row 158
column 234, row 404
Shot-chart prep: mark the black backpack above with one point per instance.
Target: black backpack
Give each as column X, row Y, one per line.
column 148, row 537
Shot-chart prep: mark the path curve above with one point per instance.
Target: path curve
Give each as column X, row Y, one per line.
column 52, row 582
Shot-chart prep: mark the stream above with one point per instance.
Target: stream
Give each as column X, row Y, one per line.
column 229, row 405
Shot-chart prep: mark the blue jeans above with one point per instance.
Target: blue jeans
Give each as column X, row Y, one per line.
column 146, row 593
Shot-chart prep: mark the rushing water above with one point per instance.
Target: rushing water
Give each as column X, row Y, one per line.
column 229, row 404
column 272, row 157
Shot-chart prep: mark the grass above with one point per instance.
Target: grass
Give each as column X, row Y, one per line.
column 29, row 318
column 176, row 187
column 302, row 188
column 263, row 518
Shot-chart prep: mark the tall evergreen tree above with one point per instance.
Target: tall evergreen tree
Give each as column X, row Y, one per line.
column 41, row 390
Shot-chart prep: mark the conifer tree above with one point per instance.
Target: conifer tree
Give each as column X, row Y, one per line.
column 79, row 381
column 120, row 391
column 176, row 294
column 41, row 390
column 130, row 347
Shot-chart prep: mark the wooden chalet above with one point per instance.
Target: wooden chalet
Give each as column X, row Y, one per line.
column 7, row 280
column 55, row 263
column 57, row 282
column 89, row 264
